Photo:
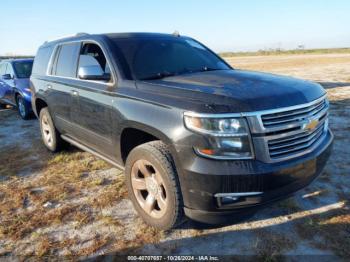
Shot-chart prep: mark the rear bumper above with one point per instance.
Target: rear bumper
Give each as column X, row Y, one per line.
column 201, row 181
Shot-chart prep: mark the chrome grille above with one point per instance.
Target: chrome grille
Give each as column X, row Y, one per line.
column 289, row 133
column 294, row 116
column 294, row 144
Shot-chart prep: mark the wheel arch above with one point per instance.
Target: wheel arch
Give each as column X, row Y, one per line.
column 140, row 133
column 39, row 104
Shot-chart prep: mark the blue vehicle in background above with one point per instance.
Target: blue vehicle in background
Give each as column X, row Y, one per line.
column 14, row 85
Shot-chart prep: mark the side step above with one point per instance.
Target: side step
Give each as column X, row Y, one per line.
column 87, row 149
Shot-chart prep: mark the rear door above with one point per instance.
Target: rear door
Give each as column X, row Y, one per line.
column 60, row 87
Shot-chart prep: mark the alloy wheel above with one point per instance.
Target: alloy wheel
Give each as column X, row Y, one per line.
column 46, row 130
column 149, row 188
column 21, row 107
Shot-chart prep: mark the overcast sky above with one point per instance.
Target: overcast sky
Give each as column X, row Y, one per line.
column 230, row 25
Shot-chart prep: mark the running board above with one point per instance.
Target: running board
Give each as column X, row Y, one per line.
column 87, row 149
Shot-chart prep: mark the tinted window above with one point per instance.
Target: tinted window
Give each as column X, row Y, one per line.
column 23, row 69
column 92, row 55
column 147, row 58
column 66, row 64
column 41, row 60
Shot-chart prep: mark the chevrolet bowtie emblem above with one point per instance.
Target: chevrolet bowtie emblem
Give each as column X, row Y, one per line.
column 310, row 124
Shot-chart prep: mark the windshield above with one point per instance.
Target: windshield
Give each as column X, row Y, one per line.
column 23, row 69
column 152, row 58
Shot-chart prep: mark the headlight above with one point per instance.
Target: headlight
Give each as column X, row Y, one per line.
column 229, row 138
column 28, row 90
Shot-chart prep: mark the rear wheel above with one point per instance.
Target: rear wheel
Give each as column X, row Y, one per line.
column 23, row 109
column 50, row 135
column 153, row 185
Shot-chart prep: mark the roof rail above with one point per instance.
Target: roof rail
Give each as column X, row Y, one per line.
column 66, row 36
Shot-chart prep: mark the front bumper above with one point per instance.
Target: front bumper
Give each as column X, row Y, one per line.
column 202, row 178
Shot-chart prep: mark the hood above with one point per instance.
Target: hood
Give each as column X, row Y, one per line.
column 233, row 91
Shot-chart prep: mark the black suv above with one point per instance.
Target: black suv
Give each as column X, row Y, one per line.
column 194, row 135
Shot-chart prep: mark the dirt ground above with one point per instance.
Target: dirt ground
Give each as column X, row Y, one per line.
column 72, row 203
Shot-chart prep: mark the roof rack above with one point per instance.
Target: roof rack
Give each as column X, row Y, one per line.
column 67, row 36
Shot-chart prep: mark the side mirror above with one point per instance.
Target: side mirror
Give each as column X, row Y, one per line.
column 7, row 77
column 92, row 72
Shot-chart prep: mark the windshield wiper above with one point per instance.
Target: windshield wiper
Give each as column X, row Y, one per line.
column 206, row 68
column 159, row 75
column 164, row 74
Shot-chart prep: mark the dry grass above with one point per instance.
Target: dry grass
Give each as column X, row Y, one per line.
column 331, row 231
column 16, row 160
column 72, row 189
column 287, row 62
column 271, row 245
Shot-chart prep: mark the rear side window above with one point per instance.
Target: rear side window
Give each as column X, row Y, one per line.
column 41, row 60
column 66, row 64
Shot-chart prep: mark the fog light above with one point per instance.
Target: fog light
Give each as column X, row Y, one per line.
column 228, row 200
column 224, row 199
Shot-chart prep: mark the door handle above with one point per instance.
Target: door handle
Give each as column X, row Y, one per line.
column 74, row 93
column 49, row 86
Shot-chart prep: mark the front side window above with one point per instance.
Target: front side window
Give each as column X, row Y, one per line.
column 91, row 55
column 152, row 58
column 66, row 64
column 23, row 69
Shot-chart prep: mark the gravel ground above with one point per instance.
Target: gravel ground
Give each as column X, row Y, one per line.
column 75, row 204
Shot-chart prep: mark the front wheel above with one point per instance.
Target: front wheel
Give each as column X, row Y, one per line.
column 153, row 185
column 23, row 109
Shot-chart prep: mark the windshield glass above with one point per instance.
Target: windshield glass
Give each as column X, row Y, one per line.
column 23, row 69
column 152, row 58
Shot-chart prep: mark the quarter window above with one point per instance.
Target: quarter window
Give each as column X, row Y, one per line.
column 66, row 64
column 41, row 60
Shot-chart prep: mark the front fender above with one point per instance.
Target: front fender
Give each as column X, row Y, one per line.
column 165, row 123
column 26, row 95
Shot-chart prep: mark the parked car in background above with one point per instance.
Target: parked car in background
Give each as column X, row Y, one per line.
column 194, row 136
column 14, row 85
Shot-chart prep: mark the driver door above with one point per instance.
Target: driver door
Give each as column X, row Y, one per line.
column 92, row 110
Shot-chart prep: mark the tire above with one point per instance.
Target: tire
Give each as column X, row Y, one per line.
column 153, row 163
column 50, row 135
column 22, row 108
